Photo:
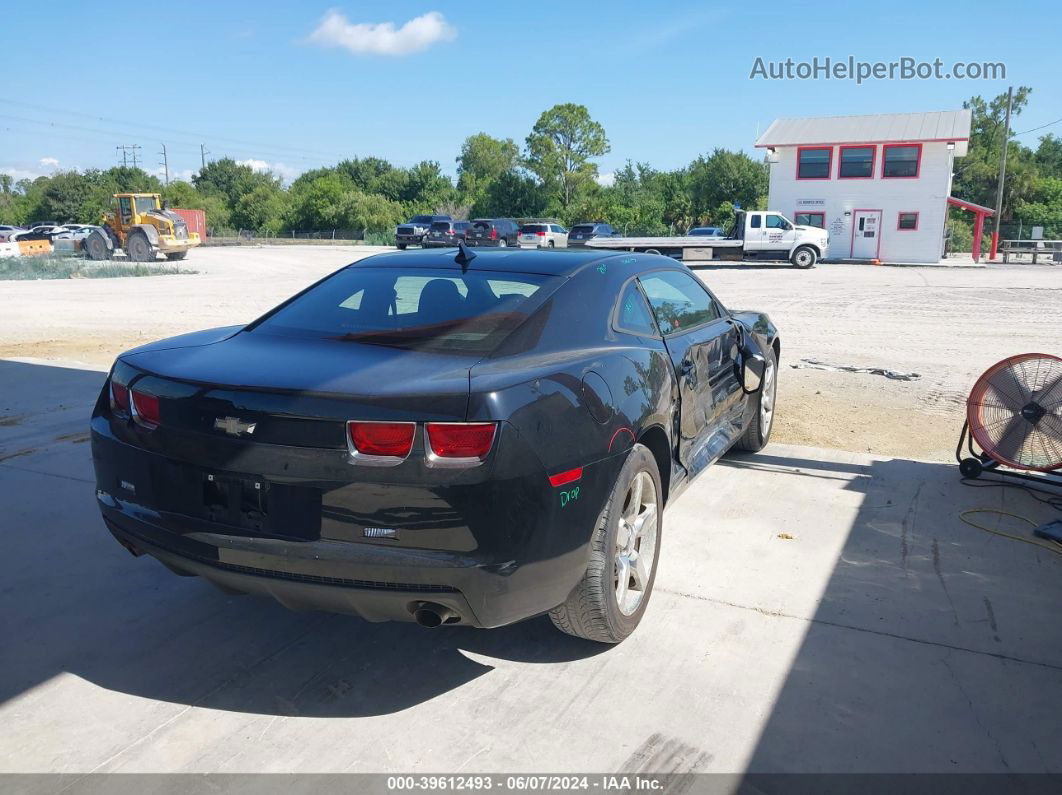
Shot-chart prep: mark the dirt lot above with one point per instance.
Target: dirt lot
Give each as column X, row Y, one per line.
column 946, row 324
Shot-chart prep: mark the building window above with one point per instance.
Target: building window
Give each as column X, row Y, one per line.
column 811, row 219
column 857, row 162
column 813, row 162
column 901, row 160
column 907, row 222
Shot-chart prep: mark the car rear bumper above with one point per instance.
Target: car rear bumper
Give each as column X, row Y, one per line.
column 374, row 579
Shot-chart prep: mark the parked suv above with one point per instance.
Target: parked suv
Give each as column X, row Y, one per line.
column 500, row 232
column 580, row 233
column 543, row 236
column 413, row 231
column 446, row 233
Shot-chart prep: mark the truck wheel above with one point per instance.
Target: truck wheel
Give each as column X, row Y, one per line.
column 502, row 242
column 176, row 255
column 758, row 433
column 611, row 598
column 804, row 257
column 96, row 247
column 138, row 248
column 551, row 244
column 401, row 246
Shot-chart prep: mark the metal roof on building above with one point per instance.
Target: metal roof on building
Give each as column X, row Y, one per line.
column 944, row 125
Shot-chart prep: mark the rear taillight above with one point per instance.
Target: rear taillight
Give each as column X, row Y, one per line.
column 119, row 397
column 493, row 233
column 540, row 234
column 391, row 439
column 145, row 408
column 463, row 442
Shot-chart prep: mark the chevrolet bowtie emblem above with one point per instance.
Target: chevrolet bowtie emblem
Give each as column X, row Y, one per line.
column 234, row 426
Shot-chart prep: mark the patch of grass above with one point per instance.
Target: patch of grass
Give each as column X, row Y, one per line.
column 25, row 268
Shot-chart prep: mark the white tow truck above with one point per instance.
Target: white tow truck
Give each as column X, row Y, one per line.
column 758, row 234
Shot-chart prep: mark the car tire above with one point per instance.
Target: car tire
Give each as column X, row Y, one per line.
column 598, row 608
column 96, row 247
column 175, row 256
column 502, row 242
column 758, row 433
column 138, row 248
column 401, row 246
column 804, row 257
column 550, row 244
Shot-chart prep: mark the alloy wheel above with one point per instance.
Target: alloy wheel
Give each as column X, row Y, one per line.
column 636, row 538
column 767, row 400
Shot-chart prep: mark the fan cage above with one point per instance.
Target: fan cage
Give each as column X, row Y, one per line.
column 994, row 412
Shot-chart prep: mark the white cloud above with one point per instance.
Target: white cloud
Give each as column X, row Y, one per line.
column 49, row 162
column 606, row 180
column 20, row 173
column 368, row 38
column 185, row 174
column 285, row 172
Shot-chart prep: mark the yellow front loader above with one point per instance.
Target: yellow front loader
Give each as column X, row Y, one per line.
column 142, row 227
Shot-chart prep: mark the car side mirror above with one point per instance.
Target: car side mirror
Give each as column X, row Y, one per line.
column 753, row 366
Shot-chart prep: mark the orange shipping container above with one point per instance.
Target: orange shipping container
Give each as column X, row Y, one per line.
column 196, row 220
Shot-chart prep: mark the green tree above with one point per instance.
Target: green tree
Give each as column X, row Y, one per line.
column 484, row 159
column 231, row 180
column 725, row 176
column 261, row 210
column 560, row 146
column 1048, row 156
column 977, row 174
column 511, row 195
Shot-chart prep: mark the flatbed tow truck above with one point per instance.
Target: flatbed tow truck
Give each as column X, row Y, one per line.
column 758, row 234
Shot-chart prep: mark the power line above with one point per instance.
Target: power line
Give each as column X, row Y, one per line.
column 292, row 150
column 1042, row 126
column 185, row 144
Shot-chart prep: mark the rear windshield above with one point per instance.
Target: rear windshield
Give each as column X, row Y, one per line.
column 422, row 219
column 583, row 229
column 481, row 224
column 441, row 226
column 422, row 309
column 532, row 228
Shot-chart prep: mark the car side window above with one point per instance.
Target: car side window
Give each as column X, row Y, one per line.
column 633, row 316
column 755, row 221
column 777, row 222
column 679, row 301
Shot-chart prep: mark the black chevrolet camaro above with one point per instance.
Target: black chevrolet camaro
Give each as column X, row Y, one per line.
column 438, row 436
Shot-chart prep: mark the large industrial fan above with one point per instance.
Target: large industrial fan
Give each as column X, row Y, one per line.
column 1014, row 415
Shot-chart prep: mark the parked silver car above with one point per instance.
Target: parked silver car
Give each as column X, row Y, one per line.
column 543, row 235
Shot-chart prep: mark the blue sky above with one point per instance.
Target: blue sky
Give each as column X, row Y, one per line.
column 668, row 80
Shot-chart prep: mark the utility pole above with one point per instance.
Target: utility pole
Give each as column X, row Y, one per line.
column 129, row 150
column 165, row 165
column 202, row 155
column 1002, row 174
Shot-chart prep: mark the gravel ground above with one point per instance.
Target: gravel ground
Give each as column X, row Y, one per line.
column 946, row 324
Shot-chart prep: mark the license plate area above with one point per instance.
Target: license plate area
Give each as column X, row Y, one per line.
column 257, row 506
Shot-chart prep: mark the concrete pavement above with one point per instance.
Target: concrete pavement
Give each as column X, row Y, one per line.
column 814, row 611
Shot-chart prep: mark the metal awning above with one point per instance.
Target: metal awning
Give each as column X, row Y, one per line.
column 974, row 208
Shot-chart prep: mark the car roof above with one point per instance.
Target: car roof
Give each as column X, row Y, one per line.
column 552, row 263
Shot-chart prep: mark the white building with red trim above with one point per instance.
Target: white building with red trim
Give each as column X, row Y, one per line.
column 881, row 185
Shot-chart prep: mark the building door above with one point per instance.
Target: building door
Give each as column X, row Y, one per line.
column 866, row 234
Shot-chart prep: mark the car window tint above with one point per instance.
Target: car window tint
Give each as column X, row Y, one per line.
column 633, row 315
column 423, row 309
column 755, row 224
column 776, row 222
column 679, row 301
